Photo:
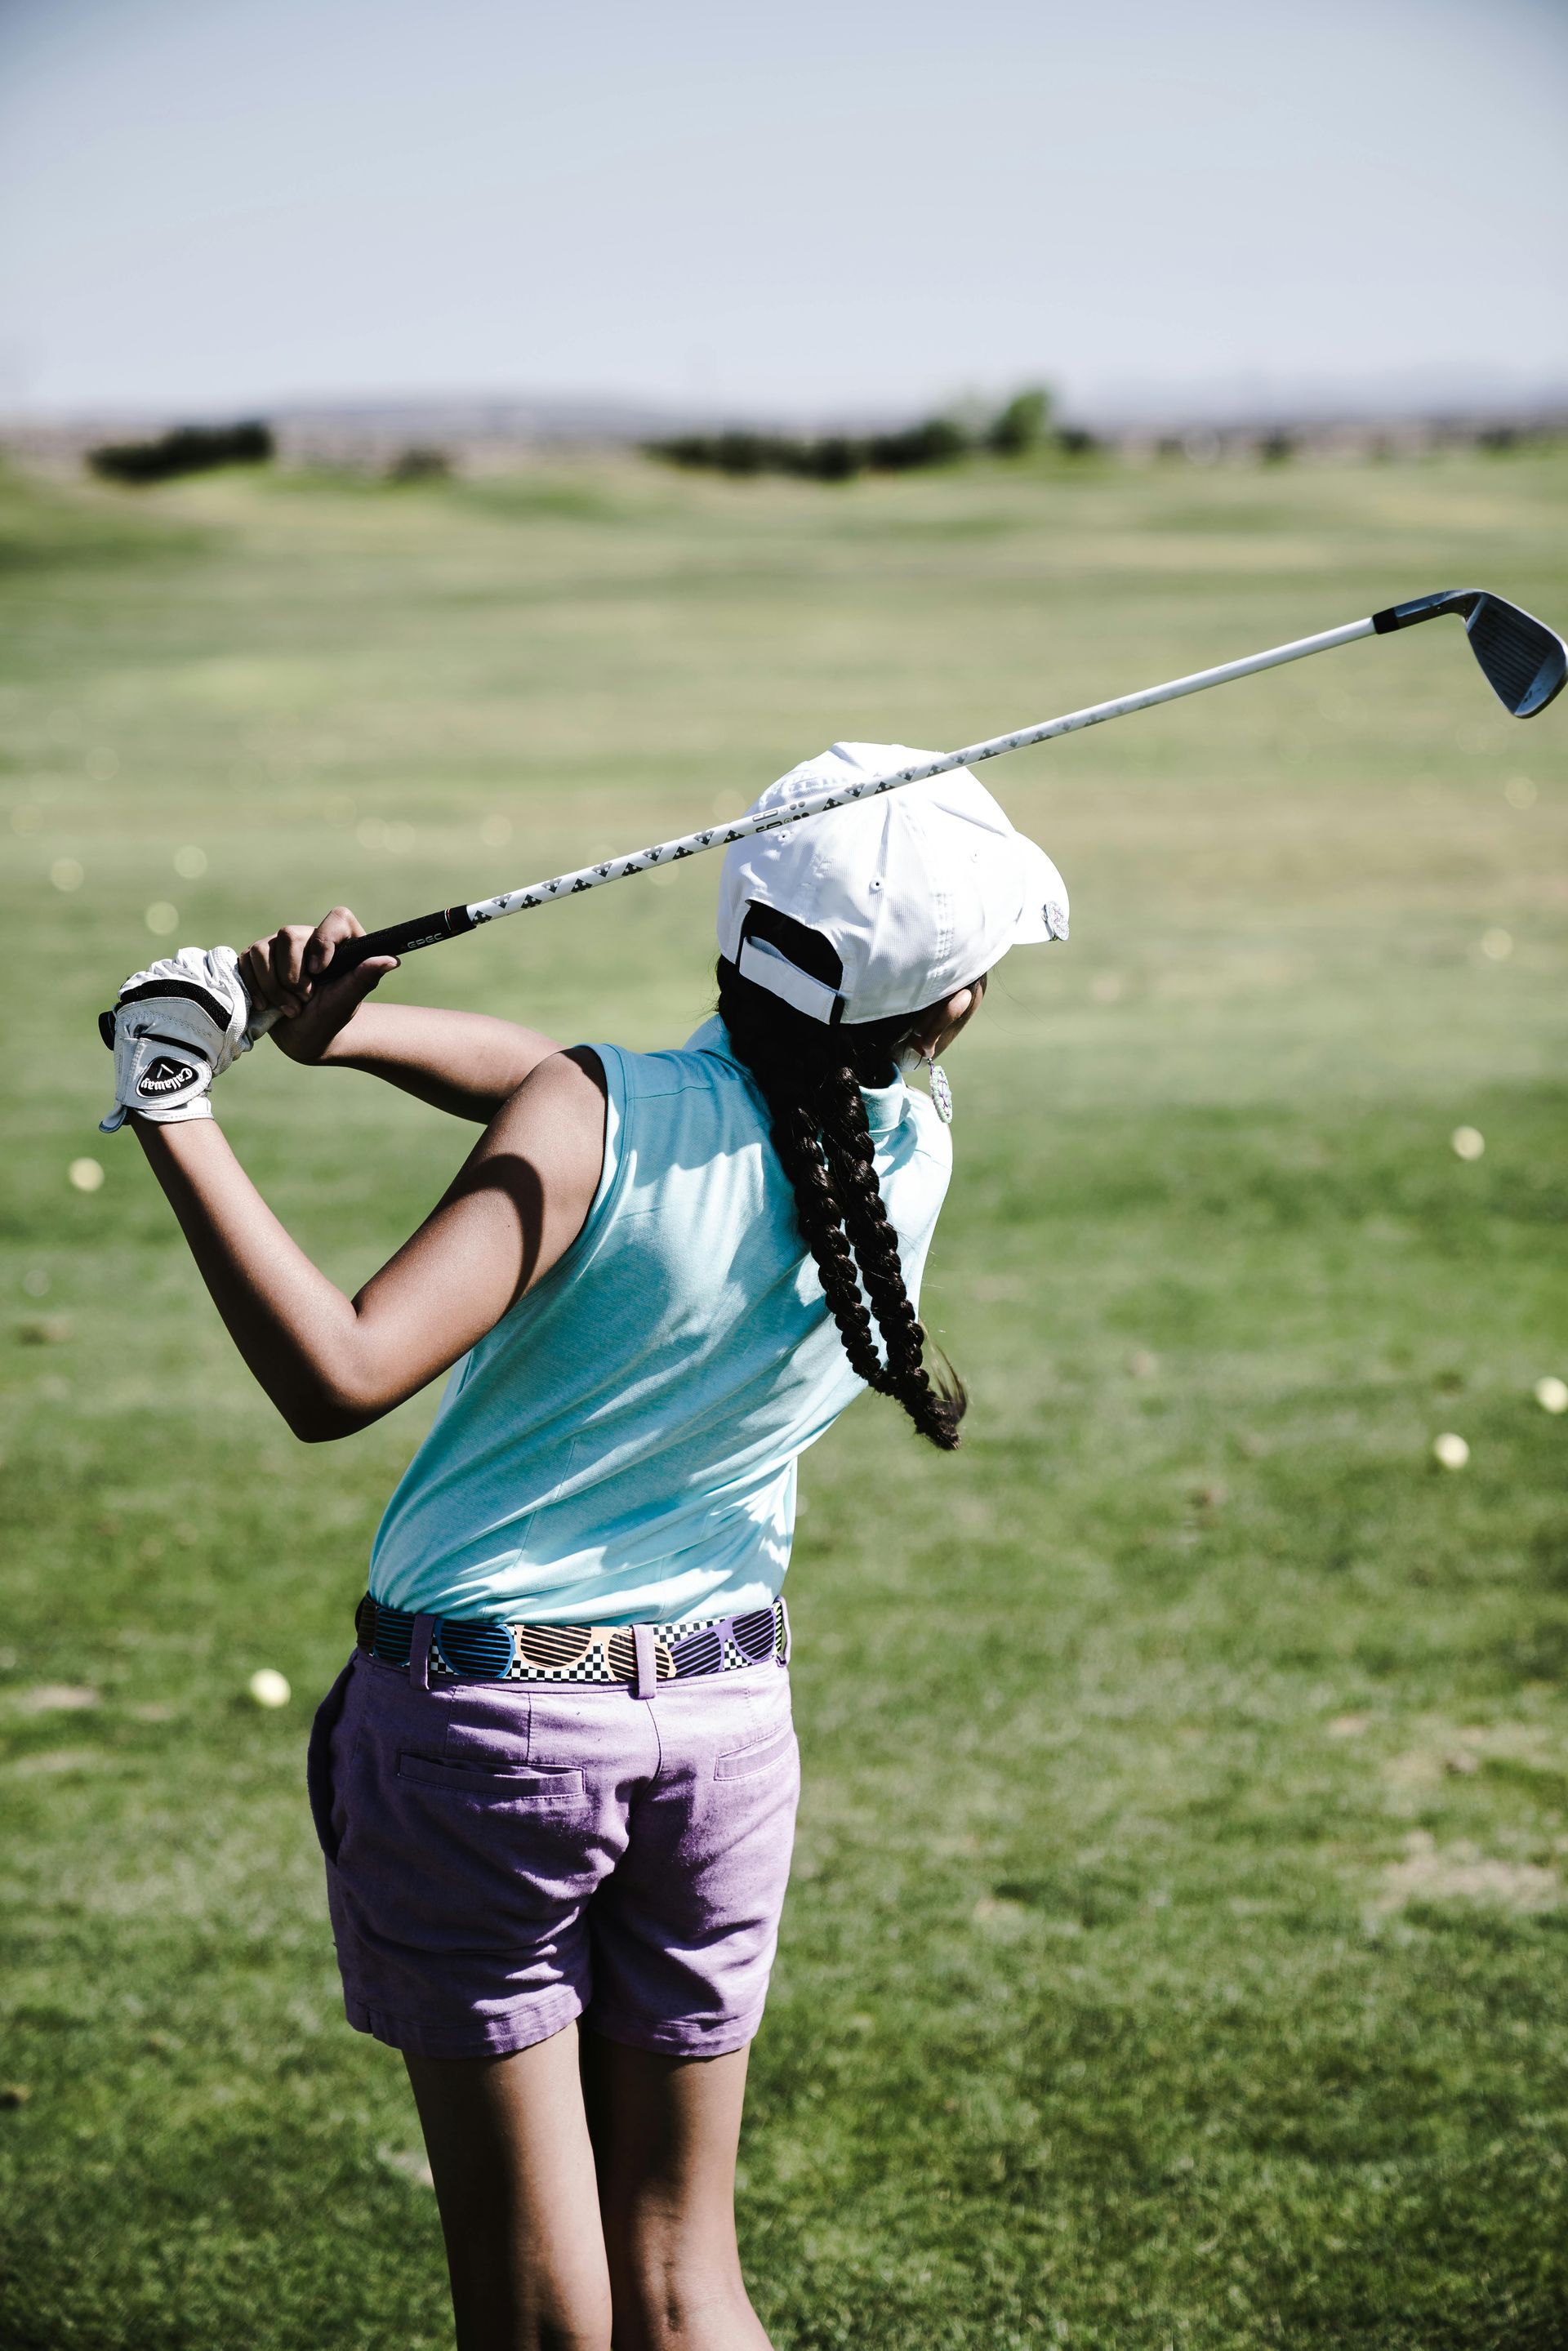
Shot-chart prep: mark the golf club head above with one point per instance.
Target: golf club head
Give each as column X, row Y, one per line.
column 1524, row 663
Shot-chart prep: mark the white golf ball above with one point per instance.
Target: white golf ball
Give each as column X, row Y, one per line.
column 1466, row 1142
column 1551, row 1395
column 66, row 874
column 161, row 918
column 190, row 862
column 85, row 1176
column 1496, row 946
column 1451, row 1451
column 268, row 1686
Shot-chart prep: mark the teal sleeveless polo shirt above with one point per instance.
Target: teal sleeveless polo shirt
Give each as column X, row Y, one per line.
column 621, row 1448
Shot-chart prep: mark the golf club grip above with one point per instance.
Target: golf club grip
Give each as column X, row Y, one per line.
column 397, row 939
column 401, row 938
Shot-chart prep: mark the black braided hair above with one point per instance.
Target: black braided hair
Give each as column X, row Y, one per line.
column 809, row 1075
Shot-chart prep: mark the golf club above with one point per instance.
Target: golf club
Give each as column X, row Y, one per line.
column 1523, row 662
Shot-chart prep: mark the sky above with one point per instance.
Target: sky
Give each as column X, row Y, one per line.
column 213, row 206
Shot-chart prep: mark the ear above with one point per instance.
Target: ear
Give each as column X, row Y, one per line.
column 939, row 1021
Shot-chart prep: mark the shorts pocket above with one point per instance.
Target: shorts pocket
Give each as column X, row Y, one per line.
column 318, row 1762
column 761, row 1755
column 538, row 1790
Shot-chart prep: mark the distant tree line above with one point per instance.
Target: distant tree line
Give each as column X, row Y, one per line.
column 189, row 449
column 1022, row 426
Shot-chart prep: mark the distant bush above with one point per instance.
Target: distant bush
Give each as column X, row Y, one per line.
column 937, row 441
column 420, row 463
column 1020, row 425
column 1277, row 448
column 834, row 457
column 728, row 452
column 742, row 453
column 189, row 449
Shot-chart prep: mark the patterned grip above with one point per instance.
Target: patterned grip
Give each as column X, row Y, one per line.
column 403, row 939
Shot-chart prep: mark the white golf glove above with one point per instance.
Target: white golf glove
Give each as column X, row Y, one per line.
column 175, row 1028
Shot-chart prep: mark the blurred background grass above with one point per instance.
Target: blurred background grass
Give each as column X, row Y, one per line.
column 1178, row 1949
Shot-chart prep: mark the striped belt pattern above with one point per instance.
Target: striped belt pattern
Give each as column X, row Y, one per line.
column 479, row 1650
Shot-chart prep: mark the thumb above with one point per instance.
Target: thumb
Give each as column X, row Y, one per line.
column 355, row 985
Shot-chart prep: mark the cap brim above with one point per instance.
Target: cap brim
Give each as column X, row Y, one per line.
column 1044, row 916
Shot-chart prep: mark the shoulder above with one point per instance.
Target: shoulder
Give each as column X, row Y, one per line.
column 574, row 1078
column 702, row 1065
column 557, row 1111
column 544, row 1154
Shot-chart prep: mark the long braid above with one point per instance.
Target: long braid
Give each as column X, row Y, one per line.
column 818, row 1213
column 810, row 1077
column 852, row 1158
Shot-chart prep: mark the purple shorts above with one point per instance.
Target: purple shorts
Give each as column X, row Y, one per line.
column 503, row 1858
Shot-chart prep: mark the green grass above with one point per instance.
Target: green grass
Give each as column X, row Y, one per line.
column 1177, row 1953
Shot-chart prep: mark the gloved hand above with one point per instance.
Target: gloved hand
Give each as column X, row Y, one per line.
column 175, row 1028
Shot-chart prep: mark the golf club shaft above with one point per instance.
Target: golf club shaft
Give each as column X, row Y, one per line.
column 451, row 922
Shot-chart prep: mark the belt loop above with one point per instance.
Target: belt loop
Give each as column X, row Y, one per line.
column 647, row 1667
column 419, row 1652
column 783, row 1627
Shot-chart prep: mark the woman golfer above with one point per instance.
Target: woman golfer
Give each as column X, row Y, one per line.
column 556, row 1782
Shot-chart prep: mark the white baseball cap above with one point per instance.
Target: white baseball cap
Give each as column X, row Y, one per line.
column 918, row 891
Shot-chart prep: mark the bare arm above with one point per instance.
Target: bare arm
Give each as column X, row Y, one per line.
column 464, row 1063
column 333, row 1364
column 467, row 1064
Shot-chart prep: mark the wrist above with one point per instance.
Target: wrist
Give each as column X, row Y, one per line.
column 291, row 1038
column 339, row 1046
column 175, row 1134
column 364, row 1039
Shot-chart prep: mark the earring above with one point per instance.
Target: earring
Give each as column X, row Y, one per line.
column 915, row 1057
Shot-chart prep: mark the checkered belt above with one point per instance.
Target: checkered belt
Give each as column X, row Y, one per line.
column 468, row 1648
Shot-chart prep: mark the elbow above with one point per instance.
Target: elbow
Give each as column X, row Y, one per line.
column 321, row 1429
column 325, row 1395
column 323, row 1419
